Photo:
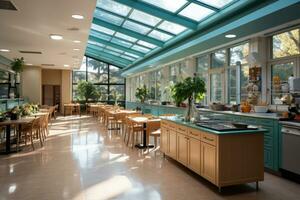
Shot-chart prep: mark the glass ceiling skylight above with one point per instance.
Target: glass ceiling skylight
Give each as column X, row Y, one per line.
column 144, row 18
column 145, row 26
column 216, row 3
column 170, row 5
column 196, row 12
column 113, row 7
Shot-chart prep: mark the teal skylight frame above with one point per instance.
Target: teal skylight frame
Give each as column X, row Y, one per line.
column 130, row 30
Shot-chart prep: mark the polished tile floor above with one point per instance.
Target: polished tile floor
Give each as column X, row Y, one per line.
column 81, row 160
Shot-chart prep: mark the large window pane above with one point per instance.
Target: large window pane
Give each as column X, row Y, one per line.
column 119, row 89
column 286, row 44
column 4, row 77
column 202, row 71
column 79, row 76
column 115, row 75
column 216, row 88
column 97, row 71
column 238, row 54
column 244, row 80
column 218, row 59
column 152, row 84
column 158, row 85
column 4, row 90
column 103, row 92
column 232, row 85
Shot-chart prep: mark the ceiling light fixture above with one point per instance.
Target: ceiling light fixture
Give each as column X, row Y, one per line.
column 65, row 65
column 77, row 41
column 4, row 50
column 76, row 16
column 76, row 49
column 230, row 36
column 56, row 37
column 28, row 64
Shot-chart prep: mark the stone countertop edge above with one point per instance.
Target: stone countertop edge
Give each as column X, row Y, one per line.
column 191, row 125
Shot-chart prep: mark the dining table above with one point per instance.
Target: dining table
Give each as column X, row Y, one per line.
column 8, row 124
column 144, row 121
column 74, row 106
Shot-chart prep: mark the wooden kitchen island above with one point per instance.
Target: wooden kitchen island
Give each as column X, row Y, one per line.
column 223, row 158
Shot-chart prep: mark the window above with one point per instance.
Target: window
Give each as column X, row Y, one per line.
column 5, row 85
column 286, row 44
column 152, row 85
column 216, row 89
column 158, row 85
column 106, row 78
column 202, row 71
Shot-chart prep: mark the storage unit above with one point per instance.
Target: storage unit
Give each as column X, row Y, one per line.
column 223, row 159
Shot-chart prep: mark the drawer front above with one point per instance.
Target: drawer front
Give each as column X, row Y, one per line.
column 194, row 134
column 268, row 141
column 209, row 138
column 182, row 129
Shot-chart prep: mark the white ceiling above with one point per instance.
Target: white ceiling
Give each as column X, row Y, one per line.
column 29, row 28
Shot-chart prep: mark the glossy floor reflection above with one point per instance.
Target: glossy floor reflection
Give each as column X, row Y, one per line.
column 81, row 160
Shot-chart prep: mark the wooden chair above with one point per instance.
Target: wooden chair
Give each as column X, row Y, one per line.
column 28, row 130
column 133, row 129
column 153, row 129
column 55, row 110
column 68, row 110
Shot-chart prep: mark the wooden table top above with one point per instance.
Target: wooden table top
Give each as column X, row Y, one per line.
column 113, row 112
column 143, row 119
column 72, row 104
column 23, row 120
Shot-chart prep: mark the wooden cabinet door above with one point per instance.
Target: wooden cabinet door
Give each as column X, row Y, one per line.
column 164, row 140
column 208, row 162
column 172, row 144
column 182, row 148
column 194, row 155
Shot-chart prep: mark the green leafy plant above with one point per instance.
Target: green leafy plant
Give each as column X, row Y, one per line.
column 189, row 89
column 28, row 109
column 142, row 93
column 17, row 64
column 87, row 91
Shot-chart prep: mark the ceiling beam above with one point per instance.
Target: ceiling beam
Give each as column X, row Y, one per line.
column 92, row 48
column 107, row 60
column 161, row 13
column 204, row 5
column 107, row 43
column 128, row 32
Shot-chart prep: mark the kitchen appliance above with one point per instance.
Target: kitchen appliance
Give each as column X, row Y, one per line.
column 291, row 146
column 219, row 125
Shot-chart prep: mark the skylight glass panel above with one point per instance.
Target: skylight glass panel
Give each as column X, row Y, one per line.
column 196, row 12
column 140, row 48
column 108, row 17
column 144, row 18
column 216, row 3
column 132, row 55
column 96, row 43
column 159, row 35
column 102, row 29
column 170, row 5
column 100, row 35
column 112, row 52
column 146, row 44
column 113, row 7
column 171, row 27
column 95, row 48
column 121, row 42
column 125, row 37
column 136, row 27
column 114, row 49
column 128, row 58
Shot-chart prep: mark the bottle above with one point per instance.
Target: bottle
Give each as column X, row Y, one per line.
column 291, row 83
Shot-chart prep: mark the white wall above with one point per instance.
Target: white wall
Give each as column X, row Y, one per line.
column 31, row 84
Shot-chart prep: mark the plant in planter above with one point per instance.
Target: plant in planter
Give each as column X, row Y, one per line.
column 142, row 93
column 17, row 65
column 2, row 116
column 115, row 96
column 87, row 91
column 15, row 113
column 189, row 89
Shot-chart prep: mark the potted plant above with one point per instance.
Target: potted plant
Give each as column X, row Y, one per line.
column 15, row 113
column 2, row 116
column 189, row 89
column 17, row 65
column 87, row 91
column 142, row 93
column 115, row 96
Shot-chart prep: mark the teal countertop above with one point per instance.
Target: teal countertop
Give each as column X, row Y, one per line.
column 191, row 125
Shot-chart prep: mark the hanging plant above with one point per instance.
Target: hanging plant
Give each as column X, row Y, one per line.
column 17, row 64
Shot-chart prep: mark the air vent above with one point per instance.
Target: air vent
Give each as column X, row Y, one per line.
column 7, row 5
column 31, row 52
column 73, row 29
column 48, row 65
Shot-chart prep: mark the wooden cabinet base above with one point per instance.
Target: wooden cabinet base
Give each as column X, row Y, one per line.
column 222, row 159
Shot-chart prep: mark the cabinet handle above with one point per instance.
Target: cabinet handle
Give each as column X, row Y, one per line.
column 209, row 139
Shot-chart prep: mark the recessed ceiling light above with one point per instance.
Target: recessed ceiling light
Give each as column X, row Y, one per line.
column 76, row 49
column 76, row 41
column 56, row 37
column 4, row 50
column 65, row 65
column 230, row 36
column 77, row 16
column 28, row 64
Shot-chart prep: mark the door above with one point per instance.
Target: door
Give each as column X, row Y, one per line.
column 194, row 154
column 164, row 140
column 182, row 153
column 48, row 95
column 172, row 144
column 208, row 161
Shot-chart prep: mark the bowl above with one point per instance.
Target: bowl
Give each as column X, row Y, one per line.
column 260, row 109
column 240, row 125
